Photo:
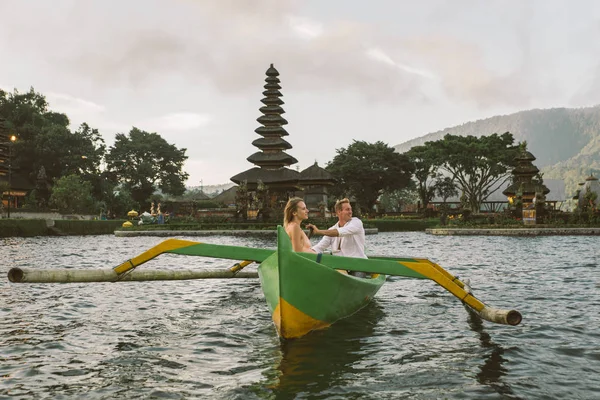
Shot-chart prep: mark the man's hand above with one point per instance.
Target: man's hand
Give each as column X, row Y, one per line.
column 313, row 229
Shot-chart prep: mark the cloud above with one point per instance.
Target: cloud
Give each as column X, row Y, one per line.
column 181, row 121
column 68, row 104
column 379, row 55
column 464, row 75
column 485, row 54
column 225, row 45
column 305, row 28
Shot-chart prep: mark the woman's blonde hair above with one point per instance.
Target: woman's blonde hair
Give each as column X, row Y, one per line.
column 290, row 209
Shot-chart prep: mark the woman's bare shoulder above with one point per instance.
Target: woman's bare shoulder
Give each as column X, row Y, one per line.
column 292, row 227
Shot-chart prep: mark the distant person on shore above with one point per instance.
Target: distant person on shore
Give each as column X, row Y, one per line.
column 345, row 238
column 294, row 213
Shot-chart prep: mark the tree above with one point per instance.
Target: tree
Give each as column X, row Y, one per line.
column 144, row 162
column 72, row 195
column 445, row 188
column 394, row 201
column 425, row 163
column 479, row 165
column 45, row 140
column 40, row 195
column 120, row 203
column 366, row 170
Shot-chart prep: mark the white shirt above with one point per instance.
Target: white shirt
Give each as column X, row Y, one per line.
column 349, row 243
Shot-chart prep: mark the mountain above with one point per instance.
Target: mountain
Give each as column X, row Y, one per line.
column 211, row 190
column 565, row 141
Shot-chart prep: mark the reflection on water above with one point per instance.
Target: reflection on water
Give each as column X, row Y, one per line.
column 215, row 338
column 492, row 369
column 326, row 358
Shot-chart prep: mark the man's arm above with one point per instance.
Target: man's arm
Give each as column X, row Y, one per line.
column 331, row 232
column 353, row 227
column 323, row 245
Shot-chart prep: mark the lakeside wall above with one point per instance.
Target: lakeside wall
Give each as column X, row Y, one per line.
column 63, row 227
column 514, row 231
column 60, row 227
column 16, row 214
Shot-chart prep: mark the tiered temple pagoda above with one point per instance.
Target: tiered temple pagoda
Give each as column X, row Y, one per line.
column 272, row 161
column 522, row 184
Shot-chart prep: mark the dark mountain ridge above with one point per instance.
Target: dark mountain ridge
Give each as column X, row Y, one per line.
column 565, row 141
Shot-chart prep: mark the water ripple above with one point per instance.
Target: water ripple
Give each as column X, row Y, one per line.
column 215, row 339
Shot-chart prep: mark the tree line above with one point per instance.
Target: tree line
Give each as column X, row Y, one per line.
column 74, row 170
column 473, row 166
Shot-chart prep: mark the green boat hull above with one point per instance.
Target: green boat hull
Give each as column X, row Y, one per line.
column 304, row 295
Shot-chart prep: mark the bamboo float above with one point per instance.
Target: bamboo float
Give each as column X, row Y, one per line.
column 506, row 317
column 26, row 275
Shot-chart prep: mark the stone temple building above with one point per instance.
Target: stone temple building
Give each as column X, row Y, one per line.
column 523, row 184
column 272, row 162
column 591, row 184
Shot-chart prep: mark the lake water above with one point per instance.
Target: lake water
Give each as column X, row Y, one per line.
column 215, row 339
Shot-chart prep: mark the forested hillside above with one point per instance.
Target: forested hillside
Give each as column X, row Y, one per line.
column 565, row 141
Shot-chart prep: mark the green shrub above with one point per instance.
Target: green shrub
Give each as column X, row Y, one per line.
column 207, row 204
column 401, row 225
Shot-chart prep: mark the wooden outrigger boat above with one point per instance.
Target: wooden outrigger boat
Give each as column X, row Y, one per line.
column 304, row 291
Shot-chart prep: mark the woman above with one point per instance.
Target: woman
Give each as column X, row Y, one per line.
column 295, row 212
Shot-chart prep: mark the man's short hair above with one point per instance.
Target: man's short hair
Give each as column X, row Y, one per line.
column 340, row 203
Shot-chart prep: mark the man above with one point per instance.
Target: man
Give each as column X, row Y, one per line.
column 345, row 238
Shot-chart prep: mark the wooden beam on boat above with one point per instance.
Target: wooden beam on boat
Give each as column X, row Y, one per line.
column 26, row 275
column 189, row 248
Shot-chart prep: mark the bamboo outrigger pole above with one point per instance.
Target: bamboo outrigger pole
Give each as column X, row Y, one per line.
column 26, row 275
column 126, row 272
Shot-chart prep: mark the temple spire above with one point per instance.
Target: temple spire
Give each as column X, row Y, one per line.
column 272, row 144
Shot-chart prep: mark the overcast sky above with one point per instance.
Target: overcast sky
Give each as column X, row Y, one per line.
column 194, row 70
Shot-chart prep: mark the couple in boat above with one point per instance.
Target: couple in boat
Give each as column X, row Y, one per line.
column 345, row 238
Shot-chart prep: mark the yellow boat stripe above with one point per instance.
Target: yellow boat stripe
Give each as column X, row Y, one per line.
column 167, row 245
column 292, row 323
column 446, row 280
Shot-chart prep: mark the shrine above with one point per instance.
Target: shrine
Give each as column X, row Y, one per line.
column 271, row 182
column 525, row 191
column 588, row 193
